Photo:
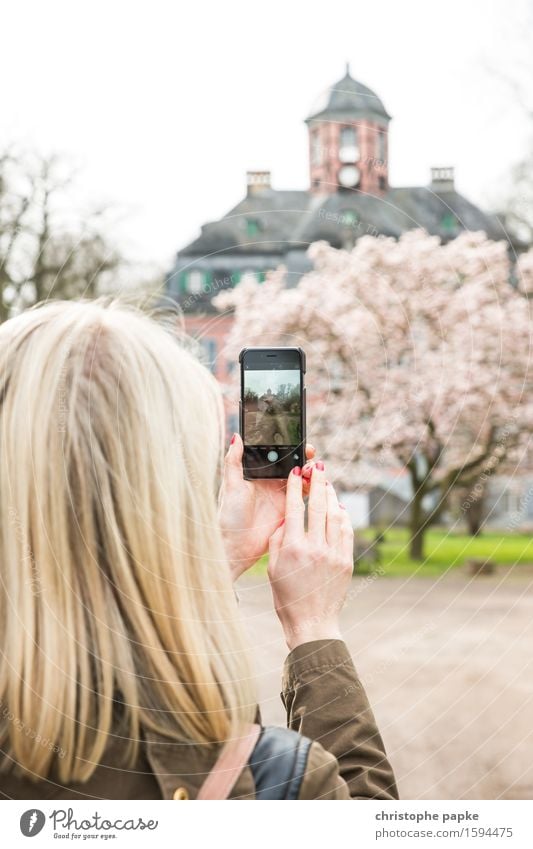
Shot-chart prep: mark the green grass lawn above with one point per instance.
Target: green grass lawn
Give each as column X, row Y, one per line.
column 444, row 550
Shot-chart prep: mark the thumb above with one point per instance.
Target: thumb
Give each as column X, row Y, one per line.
column 274, row 544
column 233, row 459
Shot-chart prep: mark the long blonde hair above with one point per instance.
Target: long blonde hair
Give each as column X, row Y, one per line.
column 114, row 588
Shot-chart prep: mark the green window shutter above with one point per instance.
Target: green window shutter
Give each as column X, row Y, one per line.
column 252, row 227
column 448, row 222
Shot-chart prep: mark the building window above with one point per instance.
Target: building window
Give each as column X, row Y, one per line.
column 382, row 182
column 316, row 149
column 348, row 218
column 348, row 137
column 382, row 152
column 253, row 227
column 449, row 223
column 348, row 149
column 250, row 272
column 194, row 281
column 222, row 279
column 209, row 349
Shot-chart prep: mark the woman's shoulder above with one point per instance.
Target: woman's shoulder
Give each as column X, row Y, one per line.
column 287, row 765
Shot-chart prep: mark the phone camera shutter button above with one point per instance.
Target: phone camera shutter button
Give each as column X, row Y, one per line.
column 272, row 456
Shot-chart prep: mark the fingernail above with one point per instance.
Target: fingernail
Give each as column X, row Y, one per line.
column 233, row 438
column 297, row 471
column 319, row 465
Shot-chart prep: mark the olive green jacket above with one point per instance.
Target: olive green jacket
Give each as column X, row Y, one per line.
column 325, row 701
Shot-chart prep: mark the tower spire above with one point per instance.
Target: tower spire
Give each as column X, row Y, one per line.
column 347, row 69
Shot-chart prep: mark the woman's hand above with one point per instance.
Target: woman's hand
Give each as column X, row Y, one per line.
column 310, row 571
column 250, row 511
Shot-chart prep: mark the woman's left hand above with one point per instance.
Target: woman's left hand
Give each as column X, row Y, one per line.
column 250, row 511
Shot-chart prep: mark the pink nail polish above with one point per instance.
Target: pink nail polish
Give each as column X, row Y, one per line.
column 233, row 438
column 297, row 471
column 320, row 465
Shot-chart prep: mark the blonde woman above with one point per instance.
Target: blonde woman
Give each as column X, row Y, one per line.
column 124, row 670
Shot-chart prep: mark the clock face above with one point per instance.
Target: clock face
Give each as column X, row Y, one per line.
column 349, row 153
column 349, row 176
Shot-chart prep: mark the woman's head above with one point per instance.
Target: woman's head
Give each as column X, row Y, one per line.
column 112, row 574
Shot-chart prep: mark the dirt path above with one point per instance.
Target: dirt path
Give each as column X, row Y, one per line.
column 448, row 667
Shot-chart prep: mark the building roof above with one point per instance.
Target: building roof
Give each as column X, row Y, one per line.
column 347, row 99
column 289, row 220
column 276, row 213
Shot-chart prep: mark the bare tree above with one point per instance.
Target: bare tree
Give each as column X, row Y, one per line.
column 47, row 250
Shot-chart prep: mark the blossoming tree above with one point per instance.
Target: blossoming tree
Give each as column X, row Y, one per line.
column 419, row 358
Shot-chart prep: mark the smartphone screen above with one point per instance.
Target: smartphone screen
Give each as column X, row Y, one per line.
column 272, row 410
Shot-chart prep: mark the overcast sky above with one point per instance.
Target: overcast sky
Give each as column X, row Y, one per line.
column 165, row 105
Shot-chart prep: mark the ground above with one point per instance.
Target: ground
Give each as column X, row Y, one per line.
column 448, row 667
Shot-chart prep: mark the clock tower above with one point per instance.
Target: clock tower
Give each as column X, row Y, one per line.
column 348, row 140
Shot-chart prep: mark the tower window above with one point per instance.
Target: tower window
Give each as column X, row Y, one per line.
column 381, row 145
column 348, row 149
column 348, row 137
column 316, row 149
column 382, row 183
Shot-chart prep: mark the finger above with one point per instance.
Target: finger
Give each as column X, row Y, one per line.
column 307, row 469
column 294, row 507
column 334, row 518
column 309, row 451
column 317, row 505
column 274, row 545
column 233, row 460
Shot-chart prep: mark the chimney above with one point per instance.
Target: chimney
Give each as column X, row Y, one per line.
column 442, row 179
column 257, row 181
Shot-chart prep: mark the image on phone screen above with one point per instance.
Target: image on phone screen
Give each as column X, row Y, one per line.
column 272, row 407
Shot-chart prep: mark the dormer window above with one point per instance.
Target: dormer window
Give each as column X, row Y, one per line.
column 253, row 227
column 449, row 223
column 348, row 218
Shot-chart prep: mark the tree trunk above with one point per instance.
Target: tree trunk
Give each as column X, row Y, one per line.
column 417, row 527
column 474, row 516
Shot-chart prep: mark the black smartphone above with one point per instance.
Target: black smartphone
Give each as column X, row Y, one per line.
column 272, row 411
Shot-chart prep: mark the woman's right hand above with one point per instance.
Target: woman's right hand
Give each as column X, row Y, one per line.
column 310, row 571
